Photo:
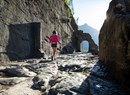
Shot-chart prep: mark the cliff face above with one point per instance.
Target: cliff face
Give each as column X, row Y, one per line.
column 26, row 25
column 114, row 40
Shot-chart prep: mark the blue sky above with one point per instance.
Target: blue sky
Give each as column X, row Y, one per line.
column 92, row 12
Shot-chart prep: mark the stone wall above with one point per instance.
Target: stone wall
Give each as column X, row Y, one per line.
column 114, row 40
column 25, row 27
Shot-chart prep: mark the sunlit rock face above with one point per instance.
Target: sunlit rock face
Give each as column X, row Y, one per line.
column 114, row 40
column 26, row 25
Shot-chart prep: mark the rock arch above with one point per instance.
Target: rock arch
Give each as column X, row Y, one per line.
column 79, row 36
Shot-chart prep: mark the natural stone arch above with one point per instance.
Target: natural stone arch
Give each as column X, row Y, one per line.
column 79, row 36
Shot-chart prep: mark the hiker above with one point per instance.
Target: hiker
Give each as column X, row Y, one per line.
column 54, row 40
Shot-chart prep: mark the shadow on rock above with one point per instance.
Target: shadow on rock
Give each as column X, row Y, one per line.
column 101, row 82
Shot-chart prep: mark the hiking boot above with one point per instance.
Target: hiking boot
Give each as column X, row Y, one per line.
column 52, row 58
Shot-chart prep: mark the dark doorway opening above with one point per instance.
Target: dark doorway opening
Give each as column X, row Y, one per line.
column 24, row 41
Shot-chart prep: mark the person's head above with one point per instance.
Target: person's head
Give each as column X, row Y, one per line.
column 54, row 32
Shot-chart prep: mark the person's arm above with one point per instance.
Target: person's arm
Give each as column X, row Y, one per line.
column 58, row 40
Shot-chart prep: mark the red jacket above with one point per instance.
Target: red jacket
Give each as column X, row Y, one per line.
column 54, row 39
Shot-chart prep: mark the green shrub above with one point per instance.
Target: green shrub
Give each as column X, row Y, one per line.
column 69, row 14
column 66, row 2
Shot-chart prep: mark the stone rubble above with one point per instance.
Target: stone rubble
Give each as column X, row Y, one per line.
column 69, row 74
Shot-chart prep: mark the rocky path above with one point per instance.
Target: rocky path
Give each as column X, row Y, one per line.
column 72, row 74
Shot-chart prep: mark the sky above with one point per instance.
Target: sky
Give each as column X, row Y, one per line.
column 92, row 12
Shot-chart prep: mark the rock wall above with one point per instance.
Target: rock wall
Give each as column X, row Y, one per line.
column 25, row 27
column 114, row 40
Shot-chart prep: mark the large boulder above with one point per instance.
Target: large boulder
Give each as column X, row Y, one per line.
column 114, row 40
